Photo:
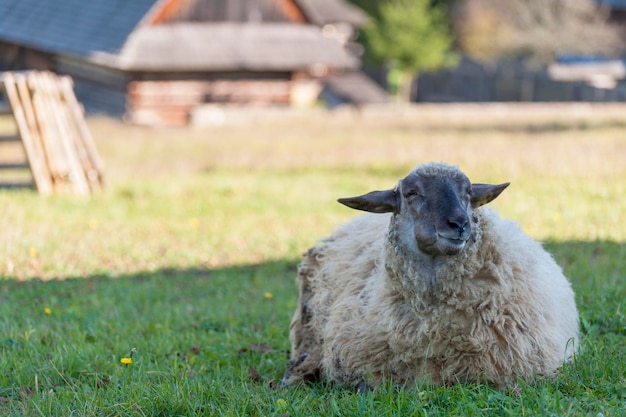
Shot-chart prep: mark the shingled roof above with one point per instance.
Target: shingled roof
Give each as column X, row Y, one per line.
column 118, row 33
column 322, row 12
column 227, row 46
column 74, row 27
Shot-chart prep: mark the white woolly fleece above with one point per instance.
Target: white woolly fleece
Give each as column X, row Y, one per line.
column 499, row 310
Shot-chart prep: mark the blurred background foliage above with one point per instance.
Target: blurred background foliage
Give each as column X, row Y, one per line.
column 408, row 37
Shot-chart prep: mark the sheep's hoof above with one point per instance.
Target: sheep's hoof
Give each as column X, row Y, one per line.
column 363, row 388
column 289, row 373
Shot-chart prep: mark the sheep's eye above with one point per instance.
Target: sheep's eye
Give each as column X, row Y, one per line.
column 412, row 194
column 466, row 194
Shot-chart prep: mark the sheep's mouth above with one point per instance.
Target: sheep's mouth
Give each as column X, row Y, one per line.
column 450, row 246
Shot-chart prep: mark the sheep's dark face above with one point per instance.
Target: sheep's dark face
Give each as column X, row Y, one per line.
column 433, row 207
column 435, row 211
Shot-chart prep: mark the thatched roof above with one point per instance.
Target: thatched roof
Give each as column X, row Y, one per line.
column 228, row 47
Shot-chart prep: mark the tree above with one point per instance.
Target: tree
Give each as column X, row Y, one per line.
column 537, row 30
column 411, row 36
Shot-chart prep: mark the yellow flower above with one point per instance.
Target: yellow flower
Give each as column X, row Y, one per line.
column 32, row 252
column 268, row 295
column 194, row 223
column 47, row 311
column 281, row 404
column 126, row 361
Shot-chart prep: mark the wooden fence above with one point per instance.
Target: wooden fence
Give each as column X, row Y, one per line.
column 475, row 82
column 58, row 146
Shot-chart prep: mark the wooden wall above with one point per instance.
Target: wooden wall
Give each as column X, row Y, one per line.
column 170, row 102
column 14, row 57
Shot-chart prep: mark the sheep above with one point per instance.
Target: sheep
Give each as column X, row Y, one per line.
column 430, row 287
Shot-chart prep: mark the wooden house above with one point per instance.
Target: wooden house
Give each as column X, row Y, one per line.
column 154, row 61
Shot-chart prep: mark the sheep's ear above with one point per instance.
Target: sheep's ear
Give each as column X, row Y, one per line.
column 375, row 202
column 485, row 193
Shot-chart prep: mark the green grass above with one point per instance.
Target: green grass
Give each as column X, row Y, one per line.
column 190, row 257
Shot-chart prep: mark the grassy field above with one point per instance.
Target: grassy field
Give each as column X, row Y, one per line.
column 190, row 256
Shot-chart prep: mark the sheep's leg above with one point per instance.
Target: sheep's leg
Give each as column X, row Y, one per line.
column 305, row 344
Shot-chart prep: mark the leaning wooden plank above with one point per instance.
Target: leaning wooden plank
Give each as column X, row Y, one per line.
column 78, row 116
column 95, row 165
column 69, row 135
column 60, row 164
column 43, row 183
column 31, row 120
column 91, row 173
column 58, row 110
column 56, row 162
column 76, row 153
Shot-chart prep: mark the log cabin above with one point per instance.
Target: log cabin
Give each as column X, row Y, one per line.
column 154, row 61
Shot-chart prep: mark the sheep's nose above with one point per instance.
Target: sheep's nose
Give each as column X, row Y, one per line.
column 459, row 224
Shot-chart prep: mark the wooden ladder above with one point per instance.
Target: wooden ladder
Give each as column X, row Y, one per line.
column 58, row 147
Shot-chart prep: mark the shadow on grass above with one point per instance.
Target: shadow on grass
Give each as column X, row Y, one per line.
column 597, row 270
column 268, row 280
column 244, row 299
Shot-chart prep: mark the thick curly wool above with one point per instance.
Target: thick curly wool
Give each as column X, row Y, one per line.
column 499, row 310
